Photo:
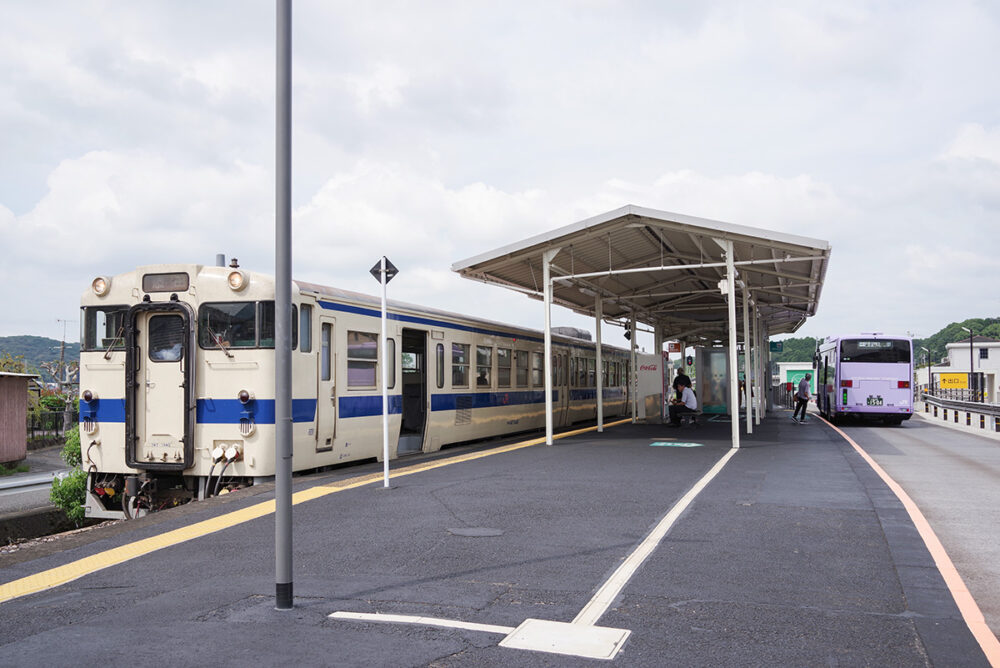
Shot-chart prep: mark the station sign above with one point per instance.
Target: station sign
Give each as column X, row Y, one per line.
column 953, row 381
column 777, row 346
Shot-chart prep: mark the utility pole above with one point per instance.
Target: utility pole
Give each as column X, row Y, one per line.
column 61, row 381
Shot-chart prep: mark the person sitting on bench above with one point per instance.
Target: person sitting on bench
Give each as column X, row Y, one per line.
column 688, row 403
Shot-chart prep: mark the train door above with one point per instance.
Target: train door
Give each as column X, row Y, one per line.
column 326, row 385
column 160, row 407
column 414, row 404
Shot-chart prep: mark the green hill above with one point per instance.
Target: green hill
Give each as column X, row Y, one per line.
column 36, row 350
column 802, row 349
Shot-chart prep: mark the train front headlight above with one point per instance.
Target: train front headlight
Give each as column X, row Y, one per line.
column 101, row 285
column 238, row 280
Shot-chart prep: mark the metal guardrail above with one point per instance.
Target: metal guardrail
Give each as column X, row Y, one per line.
column 27, row 483
column 992, row 410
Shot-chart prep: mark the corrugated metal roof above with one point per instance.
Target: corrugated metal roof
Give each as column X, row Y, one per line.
column 666, row 268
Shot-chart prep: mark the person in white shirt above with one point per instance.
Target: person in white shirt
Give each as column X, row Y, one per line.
column 688, row 403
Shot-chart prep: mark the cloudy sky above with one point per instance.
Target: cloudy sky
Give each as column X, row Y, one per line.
column 143, row 132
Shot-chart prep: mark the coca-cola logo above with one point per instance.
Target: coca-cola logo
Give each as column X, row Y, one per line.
column 647, row 367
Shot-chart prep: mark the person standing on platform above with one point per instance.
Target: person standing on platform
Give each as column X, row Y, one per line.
column 688, row 403
column 802, row 399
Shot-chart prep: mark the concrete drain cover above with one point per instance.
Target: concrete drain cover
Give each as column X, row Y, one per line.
column 475, row 532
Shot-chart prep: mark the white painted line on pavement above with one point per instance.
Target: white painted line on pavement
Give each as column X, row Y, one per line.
column 424, row 621
column 610, row 590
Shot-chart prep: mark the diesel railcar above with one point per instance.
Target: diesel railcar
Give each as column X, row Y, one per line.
column 177, row 382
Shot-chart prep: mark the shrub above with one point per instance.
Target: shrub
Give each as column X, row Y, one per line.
column 71, row 451
column 69, row 494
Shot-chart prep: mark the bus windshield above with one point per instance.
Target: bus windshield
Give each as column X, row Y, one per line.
column 886, row 351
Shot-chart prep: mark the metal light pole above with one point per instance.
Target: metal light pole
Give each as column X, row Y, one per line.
column 282, row 314
column 930, row 376
column 970, row 363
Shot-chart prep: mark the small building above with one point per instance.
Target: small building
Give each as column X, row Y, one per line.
column 793, row 372
column 14, row 415
column 985, row 354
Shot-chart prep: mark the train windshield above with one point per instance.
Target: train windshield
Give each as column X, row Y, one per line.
column 103, row 327
column 887, row 351
column 229, row 324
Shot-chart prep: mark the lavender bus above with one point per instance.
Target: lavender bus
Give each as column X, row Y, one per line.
column 865, row 375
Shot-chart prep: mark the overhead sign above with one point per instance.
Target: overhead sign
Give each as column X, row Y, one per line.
column 673, row 346
column 777, row 346
column 954, row 381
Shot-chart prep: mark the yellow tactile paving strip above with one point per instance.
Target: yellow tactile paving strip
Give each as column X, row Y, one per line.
column 60, row 575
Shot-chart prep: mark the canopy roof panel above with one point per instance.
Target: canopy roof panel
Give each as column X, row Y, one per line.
column 665, row 267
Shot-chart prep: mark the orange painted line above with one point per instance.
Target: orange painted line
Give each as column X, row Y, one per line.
column 967, row 605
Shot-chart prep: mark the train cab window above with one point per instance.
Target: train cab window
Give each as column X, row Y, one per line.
column 537, row 368
column 305, row 328
column 325, row 348
column 103, row 328
column 267, row 325
column 484, row 365
column 166, row 338
column 229, row 324
column 521, row 361
column 503, row 367
column 460, row 365
column 362, row 359
column 439, row 355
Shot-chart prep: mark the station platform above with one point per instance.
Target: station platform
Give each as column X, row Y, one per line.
column 642, row 546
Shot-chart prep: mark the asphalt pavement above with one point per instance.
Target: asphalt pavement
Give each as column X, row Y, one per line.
column 794, row 553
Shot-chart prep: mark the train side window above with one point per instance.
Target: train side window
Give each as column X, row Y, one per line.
column 581, row 372
column 503, row 367
column 325, row 347
column 521, row 361
column 460, row 365
column 604, row 373
column 537, row 369
column 484, row 365
column 572, row 371
column 362, row 359
column 305, row 328
column 591, row 375
column 439, row 354
column 390, row 360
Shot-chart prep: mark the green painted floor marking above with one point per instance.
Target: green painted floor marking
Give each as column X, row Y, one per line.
column 675, row 444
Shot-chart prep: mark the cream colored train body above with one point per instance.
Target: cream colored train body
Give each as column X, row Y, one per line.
column 177, row 382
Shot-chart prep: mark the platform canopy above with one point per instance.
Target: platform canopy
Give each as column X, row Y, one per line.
column 665, row 269
column 678, row 275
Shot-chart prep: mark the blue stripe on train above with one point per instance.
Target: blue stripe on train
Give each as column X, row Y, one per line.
column 229, row 411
